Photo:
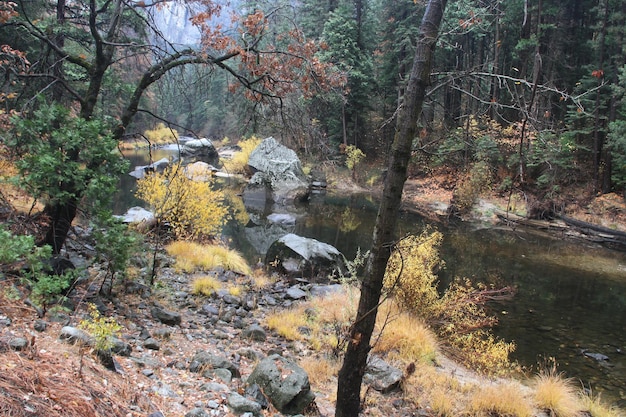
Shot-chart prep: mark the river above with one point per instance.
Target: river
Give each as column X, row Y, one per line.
column 570, row 299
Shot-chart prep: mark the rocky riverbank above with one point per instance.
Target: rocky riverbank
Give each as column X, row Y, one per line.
column 181, row 354
column 178, row 353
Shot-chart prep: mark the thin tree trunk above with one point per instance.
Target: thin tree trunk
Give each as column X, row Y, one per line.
column 598, row 128
column 529, row 110
column 495, row 67
column 355, row 360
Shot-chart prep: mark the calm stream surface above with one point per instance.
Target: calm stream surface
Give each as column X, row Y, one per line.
column 570, row 299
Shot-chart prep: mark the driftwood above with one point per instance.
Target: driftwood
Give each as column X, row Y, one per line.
column 511, row 218
column 602, row 234
column 615, row 239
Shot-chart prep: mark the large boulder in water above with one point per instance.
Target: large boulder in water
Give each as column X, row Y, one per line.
column 279, row 169
column 199, row 148
column 300, row 256
column 140, row 171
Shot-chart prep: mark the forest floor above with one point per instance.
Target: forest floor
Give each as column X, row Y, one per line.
column 49, row 377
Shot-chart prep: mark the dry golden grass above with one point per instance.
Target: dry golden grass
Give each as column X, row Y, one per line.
column 192, row 256
column 235, row 290
column 557, row 394
column 426, row 387
column 205, row 285
column 321, row 369
column 261, row 280
column 443, row 402
column 594, row 406
column 337, row 307
column 441, row 391
column 326, row 320
column 404, row 336
column 502, row 399
column 287, row 322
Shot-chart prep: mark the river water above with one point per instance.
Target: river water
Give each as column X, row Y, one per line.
column 570, row 299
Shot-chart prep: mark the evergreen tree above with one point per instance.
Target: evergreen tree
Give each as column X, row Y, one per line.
column 345, row 47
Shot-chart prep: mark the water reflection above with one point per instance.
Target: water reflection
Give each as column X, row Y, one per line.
column 571, row 299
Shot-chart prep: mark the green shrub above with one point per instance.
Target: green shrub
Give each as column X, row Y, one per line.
column 32, row 261
column 64, row 158
column 115, row 245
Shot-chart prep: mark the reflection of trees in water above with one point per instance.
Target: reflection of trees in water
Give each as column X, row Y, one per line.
column 236, row 207
column 349, row 221
column 345, row 222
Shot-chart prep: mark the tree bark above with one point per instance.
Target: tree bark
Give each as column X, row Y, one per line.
column 355, row 359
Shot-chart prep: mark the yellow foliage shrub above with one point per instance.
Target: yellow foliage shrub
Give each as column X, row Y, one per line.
column 239, row 161
column 191, row 256
column 161, row 134
column 458, row 317
column 102, row 329
column 192, row 209
column 411, row 273
column 354, row 156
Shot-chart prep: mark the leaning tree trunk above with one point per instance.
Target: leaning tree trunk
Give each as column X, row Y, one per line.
column 355, row 359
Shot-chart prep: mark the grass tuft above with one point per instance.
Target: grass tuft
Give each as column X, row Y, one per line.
column 191, row 256
column 595, row 408
column 404, row 336
column 235, row 290
column 286, row 323
column 557, row 394
column 320, row 369
column 442, row 402
column 503, row 399
column 205, row 285
column 261, row 280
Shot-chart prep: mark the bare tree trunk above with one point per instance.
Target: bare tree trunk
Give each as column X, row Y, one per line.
column 493, row 110
column 599, row 126
column 355, row 360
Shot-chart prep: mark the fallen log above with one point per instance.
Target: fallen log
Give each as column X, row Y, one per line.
column 614, row 239
column 509, row 217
